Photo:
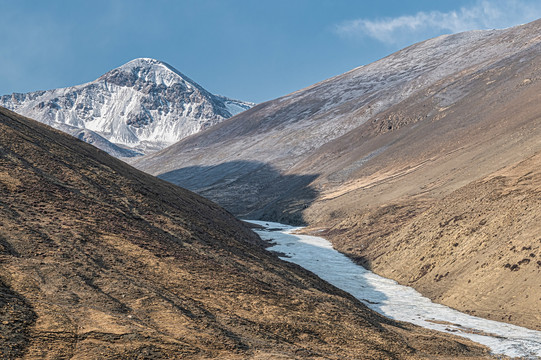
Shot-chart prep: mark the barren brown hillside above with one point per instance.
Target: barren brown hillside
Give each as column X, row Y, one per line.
column 440, row 161
column 99, row 260
column 477, row 249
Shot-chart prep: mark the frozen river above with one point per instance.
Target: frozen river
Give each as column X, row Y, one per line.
column 393, row 300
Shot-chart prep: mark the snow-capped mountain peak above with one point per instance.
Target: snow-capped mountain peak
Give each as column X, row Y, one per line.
column 143, row 105
column 148, row 70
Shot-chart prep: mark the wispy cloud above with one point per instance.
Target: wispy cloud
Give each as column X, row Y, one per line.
column 480, row 15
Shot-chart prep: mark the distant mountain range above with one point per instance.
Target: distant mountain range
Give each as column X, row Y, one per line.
column 139, row 107
column 399, row 163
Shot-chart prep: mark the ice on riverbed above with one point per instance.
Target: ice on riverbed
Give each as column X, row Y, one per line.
column 393, row 300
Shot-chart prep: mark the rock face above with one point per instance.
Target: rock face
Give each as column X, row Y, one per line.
column 142, row 106
column 102, row 261
column 366, row 152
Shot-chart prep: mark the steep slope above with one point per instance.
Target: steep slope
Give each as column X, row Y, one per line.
column 100, row 260
column 431, row 206
column 477, row 249
column 276, row 138
column 366, row 152
column 143, row 105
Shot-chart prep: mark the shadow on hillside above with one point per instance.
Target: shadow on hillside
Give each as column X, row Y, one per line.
column 17, row 317
column 249, row 189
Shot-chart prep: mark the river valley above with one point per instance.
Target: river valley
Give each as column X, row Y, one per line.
column 392, row 299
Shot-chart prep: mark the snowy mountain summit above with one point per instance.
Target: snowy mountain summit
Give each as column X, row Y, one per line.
column 139, row 107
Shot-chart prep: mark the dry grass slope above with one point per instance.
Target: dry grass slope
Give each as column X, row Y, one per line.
column 99, row 260
column 477, row 249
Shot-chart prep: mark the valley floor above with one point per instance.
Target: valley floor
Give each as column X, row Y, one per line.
column 393, row 300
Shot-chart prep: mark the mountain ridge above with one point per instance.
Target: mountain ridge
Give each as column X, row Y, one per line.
column 285, row 133
column 354, row 97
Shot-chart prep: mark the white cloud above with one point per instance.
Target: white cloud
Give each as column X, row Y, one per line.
column 481, row 15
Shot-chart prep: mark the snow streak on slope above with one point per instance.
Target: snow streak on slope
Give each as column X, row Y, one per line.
column 143, row 105
column 393, row 300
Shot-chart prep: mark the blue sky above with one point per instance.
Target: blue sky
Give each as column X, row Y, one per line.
column 251, row 50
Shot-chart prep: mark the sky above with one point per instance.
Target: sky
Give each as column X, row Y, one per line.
column 253, row 50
